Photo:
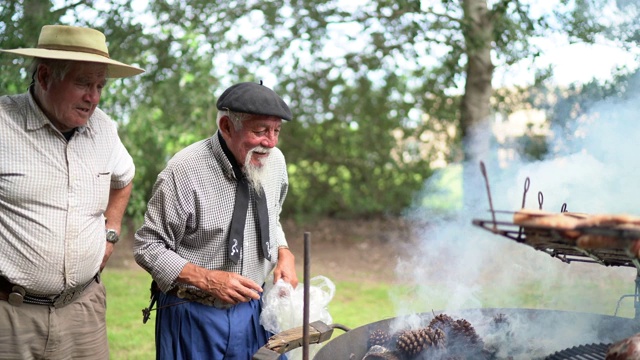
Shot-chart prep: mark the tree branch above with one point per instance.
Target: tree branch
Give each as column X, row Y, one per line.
column 63, row 10
column 443, row 15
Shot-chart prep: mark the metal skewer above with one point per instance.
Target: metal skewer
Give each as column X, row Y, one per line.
column 305, row 313
column 486, row 182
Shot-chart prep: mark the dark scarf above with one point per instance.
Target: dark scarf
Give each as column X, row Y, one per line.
column 236, row 233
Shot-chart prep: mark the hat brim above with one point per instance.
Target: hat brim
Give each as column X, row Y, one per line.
column 115, row 69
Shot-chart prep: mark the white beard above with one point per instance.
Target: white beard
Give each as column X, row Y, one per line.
column 256, row 175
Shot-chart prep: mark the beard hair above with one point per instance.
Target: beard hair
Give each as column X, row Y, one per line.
column 256, row 175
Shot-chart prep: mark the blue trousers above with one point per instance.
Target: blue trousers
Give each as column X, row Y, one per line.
column 193, row 331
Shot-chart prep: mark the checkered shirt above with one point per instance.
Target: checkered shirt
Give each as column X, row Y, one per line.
column 53, row 194
column 189, row 215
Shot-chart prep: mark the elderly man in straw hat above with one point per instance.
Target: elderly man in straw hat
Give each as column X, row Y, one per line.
column 65, row 181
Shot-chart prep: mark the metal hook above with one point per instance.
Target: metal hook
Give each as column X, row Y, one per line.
column 526, row 189
column 540, row 199
column 527, row 182
column 486, row 182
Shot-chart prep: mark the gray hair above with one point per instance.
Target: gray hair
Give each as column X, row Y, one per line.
column 59, row 68
column 236, row 118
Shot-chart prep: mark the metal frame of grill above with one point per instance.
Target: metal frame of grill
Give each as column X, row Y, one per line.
column 550, row 240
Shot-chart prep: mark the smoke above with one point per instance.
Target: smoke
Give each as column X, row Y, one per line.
column 455, row 265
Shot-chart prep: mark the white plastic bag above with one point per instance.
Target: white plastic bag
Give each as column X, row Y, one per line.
column 283, row 306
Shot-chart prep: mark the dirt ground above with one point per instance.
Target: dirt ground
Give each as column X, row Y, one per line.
column 350, row 250
column 339, row 249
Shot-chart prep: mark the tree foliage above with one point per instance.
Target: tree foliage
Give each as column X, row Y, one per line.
column 380, row 90
column 576, row 105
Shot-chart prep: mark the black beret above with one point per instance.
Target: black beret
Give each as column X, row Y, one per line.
column 253, row 98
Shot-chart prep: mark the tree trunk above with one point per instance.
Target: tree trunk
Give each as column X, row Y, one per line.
column 36, row 12
column 475, row 106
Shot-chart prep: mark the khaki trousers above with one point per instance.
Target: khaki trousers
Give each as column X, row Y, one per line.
column 76, row 331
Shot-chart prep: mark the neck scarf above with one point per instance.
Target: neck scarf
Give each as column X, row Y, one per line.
column 238, row 221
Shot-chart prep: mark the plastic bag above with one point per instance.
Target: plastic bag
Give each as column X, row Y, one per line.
column 283, row 307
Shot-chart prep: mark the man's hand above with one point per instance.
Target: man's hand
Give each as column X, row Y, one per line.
column 229, row 287
column 107, row 254
column 286, row 267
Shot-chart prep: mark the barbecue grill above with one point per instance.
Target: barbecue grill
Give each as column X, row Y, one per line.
column 529, row 333
column 536, row 334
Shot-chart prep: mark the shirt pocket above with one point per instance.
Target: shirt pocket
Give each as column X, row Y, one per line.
column 11, row 183
column 101, row 189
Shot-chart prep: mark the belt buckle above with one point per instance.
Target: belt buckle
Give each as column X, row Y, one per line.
column 67, row 297
column 16, row 297
column 197, row 296
column 219, row 304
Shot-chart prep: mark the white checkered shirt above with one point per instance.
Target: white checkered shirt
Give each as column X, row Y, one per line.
column 189, row 215
column 53, row 194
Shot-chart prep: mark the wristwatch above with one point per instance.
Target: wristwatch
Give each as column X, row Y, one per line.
column 112, row 236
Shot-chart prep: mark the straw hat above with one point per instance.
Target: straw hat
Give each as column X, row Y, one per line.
column 76, row 43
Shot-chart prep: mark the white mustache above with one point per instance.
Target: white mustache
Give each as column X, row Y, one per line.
column 260, row 149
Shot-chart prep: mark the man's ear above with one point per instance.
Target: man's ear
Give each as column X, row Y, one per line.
column 43, row 76
column 225, row 125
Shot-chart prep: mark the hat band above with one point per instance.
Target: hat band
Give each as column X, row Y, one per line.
column 75, row 49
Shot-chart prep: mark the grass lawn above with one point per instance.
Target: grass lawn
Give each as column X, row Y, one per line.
column 127, row 295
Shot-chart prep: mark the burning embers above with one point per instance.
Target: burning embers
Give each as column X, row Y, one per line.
column 444, row 338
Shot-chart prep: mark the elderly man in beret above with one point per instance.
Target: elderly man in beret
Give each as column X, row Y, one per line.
column 212, row 233
column 64, row 174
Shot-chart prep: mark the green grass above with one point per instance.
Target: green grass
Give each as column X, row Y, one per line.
column 359, row 303
column 355, row 304
column 127, row 295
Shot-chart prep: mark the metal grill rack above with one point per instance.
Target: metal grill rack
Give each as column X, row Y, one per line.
column 552, row 241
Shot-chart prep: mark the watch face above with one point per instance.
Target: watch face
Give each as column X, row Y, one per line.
column 112, row 236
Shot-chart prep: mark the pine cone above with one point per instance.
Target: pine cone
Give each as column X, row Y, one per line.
column 411, row 343
column 500, row 326
column 379, row 337
column 442, row 322
column 500, row 320
column 463, row 340
column 462, row 330
column 438, row 338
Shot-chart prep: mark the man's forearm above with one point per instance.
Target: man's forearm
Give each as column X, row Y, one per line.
column 118, row 200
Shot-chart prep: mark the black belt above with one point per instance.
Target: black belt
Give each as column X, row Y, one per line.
column 16, row 294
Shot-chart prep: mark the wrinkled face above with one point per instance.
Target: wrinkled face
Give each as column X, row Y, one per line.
column 69, row 102
column 258, row 135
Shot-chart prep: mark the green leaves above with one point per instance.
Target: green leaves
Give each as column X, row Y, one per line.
column 377, row 88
